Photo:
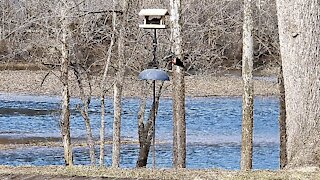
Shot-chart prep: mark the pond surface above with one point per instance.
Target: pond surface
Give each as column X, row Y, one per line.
column 213, row 131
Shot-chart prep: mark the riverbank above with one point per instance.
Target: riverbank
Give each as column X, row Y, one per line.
column 86, row 172
column 42, row 83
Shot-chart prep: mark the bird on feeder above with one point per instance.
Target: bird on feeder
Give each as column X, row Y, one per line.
column 173, row 60
column 176, row 61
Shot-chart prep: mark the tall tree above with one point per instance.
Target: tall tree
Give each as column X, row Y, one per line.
column 299, row 34
column 103, row 91
column 119, row 84
column 179, row 120
column 65, row 105
column 247, row 101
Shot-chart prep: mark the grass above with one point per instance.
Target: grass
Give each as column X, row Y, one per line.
column 144, row 173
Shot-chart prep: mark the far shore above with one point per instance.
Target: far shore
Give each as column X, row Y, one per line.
column 42, row 83
column 7, row 143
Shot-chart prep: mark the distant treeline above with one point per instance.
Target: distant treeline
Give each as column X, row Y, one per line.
column 212, row 34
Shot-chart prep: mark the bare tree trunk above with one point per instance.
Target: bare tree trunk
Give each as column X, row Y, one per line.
column 282, row 121
column 117, row 95
column 90, row 141
column 179, row 121
column 1, row 30
column 85, row 114
column 145, row 131
column 179, row 118
column 118, row 91
column 102, row 130
column 247, row 102
column 143, row 137
column 65, row 114
column 117, row 124
column 299, row 34
column 85, row 92
column 2, row 21
column 102, row 96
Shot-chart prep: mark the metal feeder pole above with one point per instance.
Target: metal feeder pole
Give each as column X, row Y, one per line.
column 154, row 102
column 154, row 126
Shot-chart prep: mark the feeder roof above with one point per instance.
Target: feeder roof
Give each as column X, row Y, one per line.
column 154, row 74
column 153, row 12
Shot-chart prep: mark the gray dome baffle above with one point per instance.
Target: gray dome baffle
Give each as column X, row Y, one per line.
column 154, row 74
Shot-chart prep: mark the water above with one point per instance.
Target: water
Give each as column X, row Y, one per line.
column 213, row 131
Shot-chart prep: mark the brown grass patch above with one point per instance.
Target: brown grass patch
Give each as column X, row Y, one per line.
column 34, row 82
column 93, row 172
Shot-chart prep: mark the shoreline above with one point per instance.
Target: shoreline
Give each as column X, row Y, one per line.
column 8, row 143
column 58, row 97
column 25, row 82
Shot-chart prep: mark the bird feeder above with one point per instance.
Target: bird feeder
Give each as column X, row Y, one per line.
column 153, row 18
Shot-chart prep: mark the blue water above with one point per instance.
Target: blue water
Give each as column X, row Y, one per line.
column 213, row 131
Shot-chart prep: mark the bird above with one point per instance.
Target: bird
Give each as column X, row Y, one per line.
column 176, row 61
column 173, row 60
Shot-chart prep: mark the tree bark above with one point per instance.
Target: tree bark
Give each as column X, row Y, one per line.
column 102, row 95
column 102, row 130
column 90, row 141
column 179, row 121
column 145, row 131
column 299, row 34
column 144, row 144
column 116, row 125
column 2, row 21
column 247, row 102
column 65, row 105
column 282, row 121
column 85, row 96
column 1, row 31
column 118, row 89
